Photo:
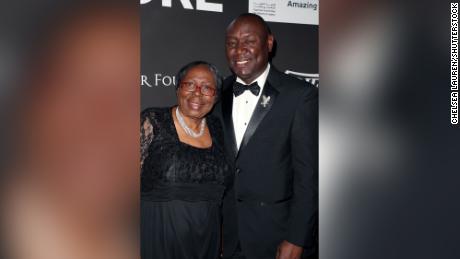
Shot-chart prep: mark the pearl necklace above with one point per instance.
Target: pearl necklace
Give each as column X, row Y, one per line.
column 188, row 130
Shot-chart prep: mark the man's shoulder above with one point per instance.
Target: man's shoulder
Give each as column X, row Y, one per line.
column 291, row 83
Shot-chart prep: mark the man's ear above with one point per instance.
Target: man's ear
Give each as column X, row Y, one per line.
column 270, row 41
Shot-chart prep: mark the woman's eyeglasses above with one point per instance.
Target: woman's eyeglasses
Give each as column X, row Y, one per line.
column 207, row 90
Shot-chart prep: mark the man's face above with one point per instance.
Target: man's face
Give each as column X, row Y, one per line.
column 247, row 48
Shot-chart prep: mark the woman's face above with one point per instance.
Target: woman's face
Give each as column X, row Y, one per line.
column 194, row 104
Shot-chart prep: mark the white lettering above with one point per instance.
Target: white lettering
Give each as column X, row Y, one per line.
column 205, row 6
column 144, row 81
column 167, row 81
column 185, row 3
column 202, row 5
column 157, row 79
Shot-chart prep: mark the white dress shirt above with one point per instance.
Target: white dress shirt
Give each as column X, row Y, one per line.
column 244, row 106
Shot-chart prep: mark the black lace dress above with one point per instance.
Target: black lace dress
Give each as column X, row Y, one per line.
column 181, row 190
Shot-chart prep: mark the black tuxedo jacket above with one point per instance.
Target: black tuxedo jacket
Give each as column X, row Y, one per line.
column 275, row 192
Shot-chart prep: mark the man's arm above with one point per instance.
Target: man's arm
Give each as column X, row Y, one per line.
column 304, row 204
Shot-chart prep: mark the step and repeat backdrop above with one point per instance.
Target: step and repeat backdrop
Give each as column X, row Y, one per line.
column 176, row 32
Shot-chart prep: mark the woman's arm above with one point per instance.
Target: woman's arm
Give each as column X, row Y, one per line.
column 146, row 136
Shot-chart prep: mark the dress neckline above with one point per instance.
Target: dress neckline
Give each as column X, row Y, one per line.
column 176, row 135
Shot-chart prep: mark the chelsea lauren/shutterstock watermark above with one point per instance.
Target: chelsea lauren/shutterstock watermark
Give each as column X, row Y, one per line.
column 454, row 63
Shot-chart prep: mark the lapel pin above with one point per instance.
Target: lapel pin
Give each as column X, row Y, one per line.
column 265, row 101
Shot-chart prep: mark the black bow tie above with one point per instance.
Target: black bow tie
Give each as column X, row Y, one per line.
column 239, row 88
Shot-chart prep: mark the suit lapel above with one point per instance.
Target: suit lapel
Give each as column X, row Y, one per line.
column 264, row 104
column 227, row 107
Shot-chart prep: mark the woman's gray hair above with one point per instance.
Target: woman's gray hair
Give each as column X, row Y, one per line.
column 212, row 68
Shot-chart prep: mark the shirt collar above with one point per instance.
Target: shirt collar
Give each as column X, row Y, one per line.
column 260, row 80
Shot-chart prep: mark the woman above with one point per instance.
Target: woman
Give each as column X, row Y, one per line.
column 183, row 170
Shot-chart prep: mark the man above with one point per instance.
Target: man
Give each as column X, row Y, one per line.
column 271, row 127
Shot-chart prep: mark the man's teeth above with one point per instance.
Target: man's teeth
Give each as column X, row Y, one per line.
column 242, row 62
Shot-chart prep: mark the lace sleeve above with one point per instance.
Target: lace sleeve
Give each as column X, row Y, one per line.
column 146, row 137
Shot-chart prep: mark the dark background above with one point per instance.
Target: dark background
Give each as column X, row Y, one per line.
column 173, row 37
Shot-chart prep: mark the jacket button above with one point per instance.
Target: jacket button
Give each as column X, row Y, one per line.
column 238, row 171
